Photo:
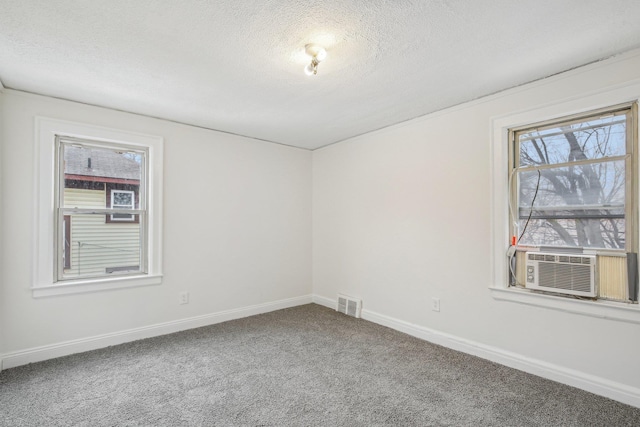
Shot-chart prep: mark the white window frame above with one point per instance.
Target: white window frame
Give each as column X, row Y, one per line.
column 44, row 278
column 131, row 206
column 499, row 200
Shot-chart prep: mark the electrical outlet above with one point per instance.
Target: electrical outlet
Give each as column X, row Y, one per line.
column 435, row 304
column 184, row 298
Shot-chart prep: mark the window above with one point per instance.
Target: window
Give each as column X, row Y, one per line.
column 573, row 182
column 99, row 208
column 612, row 270
column 122, row 199
column 572, row 188
column 126, row 197
column 87, row 245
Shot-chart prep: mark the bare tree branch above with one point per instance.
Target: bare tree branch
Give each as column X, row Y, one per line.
column 562, row 232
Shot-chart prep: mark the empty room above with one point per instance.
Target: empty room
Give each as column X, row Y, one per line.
column 286, row 213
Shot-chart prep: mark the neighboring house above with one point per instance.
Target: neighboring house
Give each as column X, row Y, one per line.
column 98, row 244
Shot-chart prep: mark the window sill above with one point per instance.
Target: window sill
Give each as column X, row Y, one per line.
column 623, row 312
column 95, row 285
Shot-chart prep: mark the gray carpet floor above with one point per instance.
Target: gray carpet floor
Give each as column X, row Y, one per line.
column 303, row 366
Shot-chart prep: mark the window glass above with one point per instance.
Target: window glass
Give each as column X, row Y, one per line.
column 97, row 248
column 95, row 236
column 591, row 139
column 571, row 180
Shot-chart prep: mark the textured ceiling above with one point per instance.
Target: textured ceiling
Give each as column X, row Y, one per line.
column 237, row 66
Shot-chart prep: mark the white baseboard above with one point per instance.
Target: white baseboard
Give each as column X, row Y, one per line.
column 611, row 389
column 38, row 354
column 593, row 384
column 327, row 302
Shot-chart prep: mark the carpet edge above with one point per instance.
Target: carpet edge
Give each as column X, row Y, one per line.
column 601, row 386
column 66, row 348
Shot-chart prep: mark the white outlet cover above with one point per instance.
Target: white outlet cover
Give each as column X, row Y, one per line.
column 184, row 298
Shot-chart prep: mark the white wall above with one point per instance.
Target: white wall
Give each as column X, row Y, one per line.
column 2, row 180
column 237, row 228
column 402, row 215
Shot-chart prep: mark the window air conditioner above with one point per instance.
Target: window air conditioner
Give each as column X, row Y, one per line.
column 572, row 274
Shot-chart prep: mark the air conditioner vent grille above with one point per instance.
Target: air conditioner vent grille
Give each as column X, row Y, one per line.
column 568, row 274
column 562, row 276
column 352, row 308
column 349, row 306
column 342, row 305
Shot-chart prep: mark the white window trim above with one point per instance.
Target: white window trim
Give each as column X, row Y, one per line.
column 499, row 200
column 131, row 206
column 46, row 130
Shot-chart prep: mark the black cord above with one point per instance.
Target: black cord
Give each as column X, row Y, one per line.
column 531, row 208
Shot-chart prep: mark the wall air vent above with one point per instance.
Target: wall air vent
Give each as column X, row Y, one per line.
column 349, row 306
column 570, row 274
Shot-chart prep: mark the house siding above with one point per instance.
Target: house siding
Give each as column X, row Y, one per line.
column 96, row 245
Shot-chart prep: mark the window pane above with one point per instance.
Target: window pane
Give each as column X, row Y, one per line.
column 592, row 139
column 90, row 173
column 588, row 233
column 98, row 248
column 588, row 185
column 123, row 199
column 582, row 205
column 121, row 217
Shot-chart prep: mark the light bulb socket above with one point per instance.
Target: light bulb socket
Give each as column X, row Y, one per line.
column 310, row 70
column 317, row 55
column 315, row 51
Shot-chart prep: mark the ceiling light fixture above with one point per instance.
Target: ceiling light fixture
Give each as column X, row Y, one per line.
column 317, row 54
